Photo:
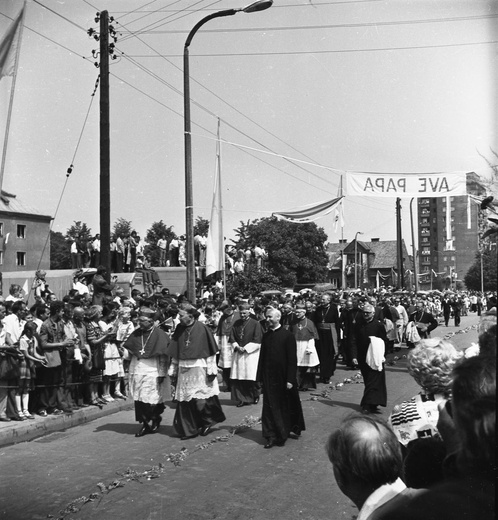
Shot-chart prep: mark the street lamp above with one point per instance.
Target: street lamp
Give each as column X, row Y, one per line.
column 356, row 259
column 189, row 210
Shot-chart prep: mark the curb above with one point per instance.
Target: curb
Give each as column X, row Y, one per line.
column 16, row 431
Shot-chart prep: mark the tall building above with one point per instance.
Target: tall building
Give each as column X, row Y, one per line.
column 447, row 248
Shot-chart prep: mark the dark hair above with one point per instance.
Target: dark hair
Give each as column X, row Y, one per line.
column 474, row 411
column 29, row 325
column 487, row 342
column 365, row 451
column 17, row 306
column 56, row 307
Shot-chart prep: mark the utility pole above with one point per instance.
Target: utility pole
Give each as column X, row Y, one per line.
column 105, row 142
column 399, row 245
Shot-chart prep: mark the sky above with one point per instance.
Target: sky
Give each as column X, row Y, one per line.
column 301, row 89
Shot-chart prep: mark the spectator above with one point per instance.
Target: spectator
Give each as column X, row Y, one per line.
column 468, row 430
column 367, row 463
column 431, row 364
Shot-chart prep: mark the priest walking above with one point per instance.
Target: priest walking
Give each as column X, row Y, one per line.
column 245, row 338
column 193, row 372
column 282, row 415
column 146, row 347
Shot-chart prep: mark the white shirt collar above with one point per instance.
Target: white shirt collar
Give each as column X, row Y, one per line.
column 379, row 497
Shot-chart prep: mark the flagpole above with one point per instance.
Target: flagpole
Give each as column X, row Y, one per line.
column 11, row 101
column 222, row 252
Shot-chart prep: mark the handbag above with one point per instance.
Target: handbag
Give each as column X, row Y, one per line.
column 98, row 360
column 9, row 365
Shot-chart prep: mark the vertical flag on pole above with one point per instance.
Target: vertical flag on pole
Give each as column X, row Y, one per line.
column 8, row 47
column 215, row 247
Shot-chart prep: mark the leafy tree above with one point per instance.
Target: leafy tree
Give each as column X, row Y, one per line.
column 296, row 252
column 79, row 229
column 153, row 235
column 253, row 282
column 201, row 226
column 60, row 256
column 473, row 277
column 121, row 227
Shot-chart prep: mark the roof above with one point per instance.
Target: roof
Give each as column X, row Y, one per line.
column 382, row 254
column 9, row 203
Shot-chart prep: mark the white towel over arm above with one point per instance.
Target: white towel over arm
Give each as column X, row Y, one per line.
column 375, row 353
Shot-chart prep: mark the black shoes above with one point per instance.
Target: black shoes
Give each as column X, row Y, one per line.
column 185, row 437
column 206, row 430
column 155, row 424
column 273, row 442
column 144, row 430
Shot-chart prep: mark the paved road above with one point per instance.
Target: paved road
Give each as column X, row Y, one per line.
column 222, row 476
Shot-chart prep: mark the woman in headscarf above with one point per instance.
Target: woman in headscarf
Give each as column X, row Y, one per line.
column 148, row 385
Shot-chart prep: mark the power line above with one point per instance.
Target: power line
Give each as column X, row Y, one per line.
column 335, row 51
column 59, row 15
column 274, row 6
column 333, row 26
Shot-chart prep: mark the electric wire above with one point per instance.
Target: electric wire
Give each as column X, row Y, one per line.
column 68, row 174
column 335, row 51
column 331, row 26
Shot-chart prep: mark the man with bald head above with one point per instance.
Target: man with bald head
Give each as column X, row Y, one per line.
column 371, row 341
column 367, row 463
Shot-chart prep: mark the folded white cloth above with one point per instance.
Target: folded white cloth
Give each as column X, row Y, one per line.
column 375, row 353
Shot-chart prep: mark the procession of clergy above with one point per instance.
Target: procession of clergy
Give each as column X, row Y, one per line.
column 276, row 355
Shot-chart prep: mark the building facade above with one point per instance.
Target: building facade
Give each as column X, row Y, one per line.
column 24, row 236
column 368, row 265
column 447, row 249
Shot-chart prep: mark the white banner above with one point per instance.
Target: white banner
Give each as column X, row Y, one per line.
column 406, row 185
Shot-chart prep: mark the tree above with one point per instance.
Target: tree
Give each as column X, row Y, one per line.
column 473, row 277
column 153, row 235
column 60, row 256
column 121, row 227
column 201, row 226
column 296, row 252
column 253, row 282
column 79, row 229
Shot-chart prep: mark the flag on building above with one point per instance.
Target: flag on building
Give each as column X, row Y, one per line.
column 9, row 45
column 339, row 216
column 215, row 245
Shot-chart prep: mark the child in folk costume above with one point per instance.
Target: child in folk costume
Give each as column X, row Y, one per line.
column 306, row 334
column 28, row 345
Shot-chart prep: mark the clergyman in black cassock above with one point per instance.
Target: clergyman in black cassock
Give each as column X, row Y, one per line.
column 282, row 413
column 375, row 393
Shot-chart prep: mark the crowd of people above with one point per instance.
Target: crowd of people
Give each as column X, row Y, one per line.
column 97, row 345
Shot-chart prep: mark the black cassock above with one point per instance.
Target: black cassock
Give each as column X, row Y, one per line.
column 282, row 412
column 375, row 392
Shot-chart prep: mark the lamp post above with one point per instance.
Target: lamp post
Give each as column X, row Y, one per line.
column 356, row 259
column 189, row 210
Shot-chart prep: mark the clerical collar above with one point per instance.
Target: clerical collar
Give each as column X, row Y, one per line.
column 277, row 327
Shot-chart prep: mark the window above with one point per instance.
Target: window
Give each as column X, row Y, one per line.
column 1, row 228
column 445, row 258
column 453, row 258
column 425, row 221
column 21, row 231
column 21, row 258
column 1, row 257
column 425, row 239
